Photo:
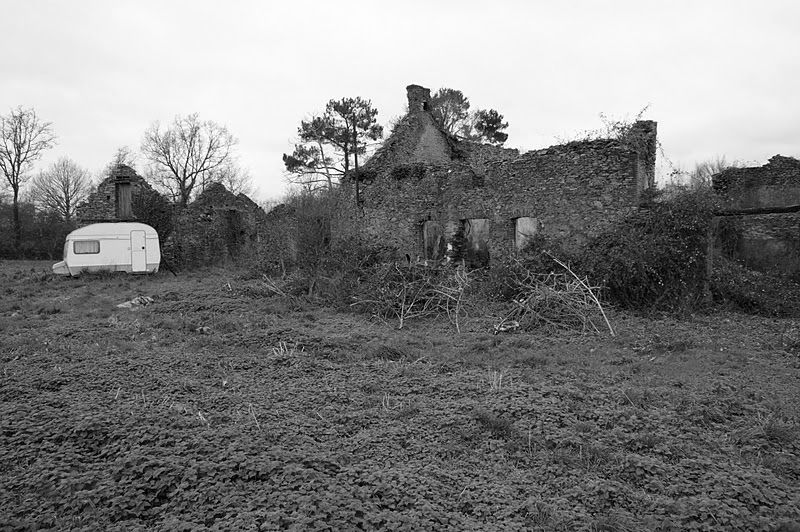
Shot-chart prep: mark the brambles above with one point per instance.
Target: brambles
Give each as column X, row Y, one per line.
column 655, row 258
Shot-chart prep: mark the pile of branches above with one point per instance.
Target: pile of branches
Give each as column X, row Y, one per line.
column 551, row 301
column 402, row 293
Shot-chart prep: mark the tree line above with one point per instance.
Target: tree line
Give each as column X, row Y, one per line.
column 182, row 158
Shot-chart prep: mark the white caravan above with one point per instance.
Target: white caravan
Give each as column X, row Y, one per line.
column 114, row 247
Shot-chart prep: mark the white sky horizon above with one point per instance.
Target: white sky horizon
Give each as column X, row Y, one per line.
column 721, row 78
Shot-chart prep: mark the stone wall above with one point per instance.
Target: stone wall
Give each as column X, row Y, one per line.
column 765, row 224
column 774, row 185
column 770, row 242
column 114, row 197
column 217, row 227
column 574, row 191
column 570, row 192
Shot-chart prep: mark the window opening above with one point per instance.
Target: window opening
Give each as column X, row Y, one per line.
column 525, row 230
column 471, row 243
column 433, row 244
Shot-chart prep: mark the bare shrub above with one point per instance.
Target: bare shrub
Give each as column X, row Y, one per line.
column 554, row 301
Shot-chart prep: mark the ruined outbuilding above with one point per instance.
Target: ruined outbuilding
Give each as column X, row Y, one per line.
column 427, row 193
column 762, row 215
column 217, row 227
column 115, row 198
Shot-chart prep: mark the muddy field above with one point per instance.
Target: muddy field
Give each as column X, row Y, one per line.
column 222, row 406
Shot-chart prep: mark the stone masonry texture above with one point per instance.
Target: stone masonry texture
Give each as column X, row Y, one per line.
column 217, row 227
column 422, row 174
column 774, row 185
column 102, row 205
column 766, row 200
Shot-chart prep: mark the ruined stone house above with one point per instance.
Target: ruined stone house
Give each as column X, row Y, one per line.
column 216, row 227
column 425, row 191
column 761, row 222
column 113, row 200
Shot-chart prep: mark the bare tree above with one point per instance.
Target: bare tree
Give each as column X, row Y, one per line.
column 162, row 181
column 703, row 171
column 123, row 156
column 184, row 152
column 61, row 187
column 23, row 138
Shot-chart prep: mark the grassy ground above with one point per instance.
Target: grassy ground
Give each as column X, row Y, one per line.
column 220, row 406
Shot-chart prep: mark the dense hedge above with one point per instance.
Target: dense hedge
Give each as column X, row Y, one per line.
column 656, row 258
column 43, row 233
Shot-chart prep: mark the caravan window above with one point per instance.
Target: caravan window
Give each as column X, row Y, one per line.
column 86, row 247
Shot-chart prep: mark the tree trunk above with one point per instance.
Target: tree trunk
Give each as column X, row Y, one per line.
column 17, row 227
column 355, row 160
column 327, row 170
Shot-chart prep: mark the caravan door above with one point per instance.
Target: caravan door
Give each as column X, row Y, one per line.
column 138, row 252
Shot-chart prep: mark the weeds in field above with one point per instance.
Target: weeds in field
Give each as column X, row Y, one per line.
column 283, row 350
column 386, row 402
column 777, row 430
column 538, row 513
column 615, row 521
column 390, row 353
column 272, row 286
column 499, row 427
column 495, row 379
column 407, row 411
column 252, row 412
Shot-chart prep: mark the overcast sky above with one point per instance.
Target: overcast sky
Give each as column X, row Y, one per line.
column 720, row 77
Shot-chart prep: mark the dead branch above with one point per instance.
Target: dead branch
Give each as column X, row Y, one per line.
column 589, row 290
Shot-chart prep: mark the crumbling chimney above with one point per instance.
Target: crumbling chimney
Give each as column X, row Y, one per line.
column 644, row 137
column 419, row 98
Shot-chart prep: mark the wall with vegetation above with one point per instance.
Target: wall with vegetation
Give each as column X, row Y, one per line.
column 574, row 190
column 216, row 227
